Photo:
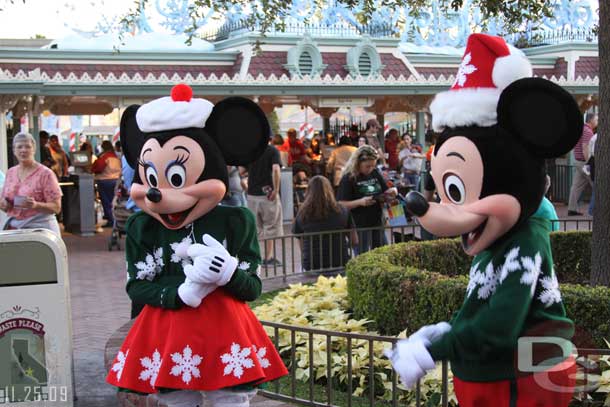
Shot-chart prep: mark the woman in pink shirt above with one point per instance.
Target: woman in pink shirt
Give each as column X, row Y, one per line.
column 31, row 195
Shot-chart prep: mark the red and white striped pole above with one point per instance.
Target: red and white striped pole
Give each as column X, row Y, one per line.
column 72, row 141
column 386, row 128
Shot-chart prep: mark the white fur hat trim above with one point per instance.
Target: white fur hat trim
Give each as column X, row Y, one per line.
column 166, row 114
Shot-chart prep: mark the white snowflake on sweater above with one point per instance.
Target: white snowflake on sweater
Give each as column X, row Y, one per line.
column 260, row 355
column 532, row 271
column 244, row 265
column 180, row 249
column 510, row 264
column 120, row 364
column 489, row 280
column 186, row 364
column 464, row 70
column 237, row 360
column 151, row 266
column 550, row 293
column 151, row 368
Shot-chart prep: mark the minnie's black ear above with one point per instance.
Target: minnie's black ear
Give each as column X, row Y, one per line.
column 240, row 129
column 132, row 138
column 542, row 115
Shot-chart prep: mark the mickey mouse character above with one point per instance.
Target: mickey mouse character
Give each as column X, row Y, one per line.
column 195, row 332
column 498, row 125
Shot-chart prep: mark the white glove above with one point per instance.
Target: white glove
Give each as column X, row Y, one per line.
column 430, row 333
column 193, row 293
column 212, row 263
column 411, row 360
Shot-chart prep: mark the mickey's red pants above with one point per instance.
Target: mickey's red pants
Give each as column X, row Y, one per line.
column 545, row 389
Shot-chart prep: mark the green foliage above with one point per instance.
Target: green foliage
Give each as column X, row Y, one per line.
column 571, row 256
column 408, row 285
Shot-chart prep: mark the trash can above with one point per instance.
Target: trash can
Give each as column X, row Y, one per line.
column 78, row 211
column 35, row 320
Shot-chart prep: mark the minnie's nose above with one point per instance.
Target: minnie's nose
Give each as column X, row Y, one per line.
column 153, row 195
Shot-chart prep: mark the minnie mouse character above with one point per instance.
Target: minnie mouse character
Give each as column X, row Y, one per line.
column 195, row 332
column 498, row 125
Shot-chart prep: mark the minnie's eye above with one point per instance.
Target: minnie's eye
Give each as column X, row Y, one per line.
column 176, row 175
column 151, row 176
column 454, row 189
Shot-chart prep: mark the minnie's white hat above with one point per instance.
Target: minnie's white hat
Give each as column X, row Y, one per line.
column 178, row 111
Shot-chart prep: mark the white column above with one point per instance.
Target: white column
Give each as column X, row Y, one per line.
column 3, row 143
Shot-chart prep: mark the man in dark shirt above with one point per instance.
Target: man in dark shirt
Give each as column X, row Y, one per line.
column 264, row 200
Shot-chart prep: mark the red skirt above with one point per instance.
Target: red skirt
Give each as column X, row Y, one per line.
column 552, row 388
column 217, row 345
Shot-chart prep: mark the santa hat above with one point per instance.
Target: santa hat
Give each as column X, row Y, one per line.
column 488, row 66
column 178, row 111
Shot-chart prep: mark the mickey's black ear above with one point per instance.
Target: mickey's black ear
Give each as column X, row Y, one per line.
column 132, row 138
column 240, row 129
column 542, row 115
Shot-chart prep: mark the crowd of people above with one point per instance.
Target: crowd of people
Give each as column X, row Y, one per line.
column 338, row 186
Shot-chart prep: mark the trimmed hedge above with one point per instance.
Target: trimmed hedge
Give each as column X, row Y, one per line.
column 446, row 256
column 572, row 256
column 399, row 288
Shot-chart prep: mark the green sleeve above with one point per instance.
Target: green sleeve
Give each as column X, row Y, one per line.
column 498, row 323
column 143, row 291
column 245, row 284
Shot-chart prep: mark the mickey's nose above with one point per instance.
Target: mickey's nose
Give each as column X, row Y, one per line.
column 416, row 203
column 153, row 195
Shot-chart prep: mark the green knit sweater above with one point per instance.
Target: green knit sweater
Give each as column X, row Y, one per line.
column 154, row 269
column 512, row 293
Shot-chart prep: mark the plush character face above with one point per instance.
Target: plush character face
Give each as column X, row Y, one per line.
column 491, row 179
column 181, row 174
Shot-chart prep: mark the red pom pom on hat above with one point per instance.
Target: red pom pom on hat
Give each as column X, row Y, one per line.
column 181, row 93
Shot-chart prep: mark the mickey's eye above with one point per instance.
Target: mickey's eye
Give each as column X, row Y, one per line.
column 176, row 175
column 151, row 176
column 454, row 188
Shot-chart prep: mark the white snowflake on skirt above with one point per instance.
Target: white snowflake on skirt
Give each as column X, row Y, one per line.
column 186, row 364
column 260, row 354
column 237, row 360
column 151, row 368
column 151, row 266
column 120, row 364
column 180, row 249
column 550, row 293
